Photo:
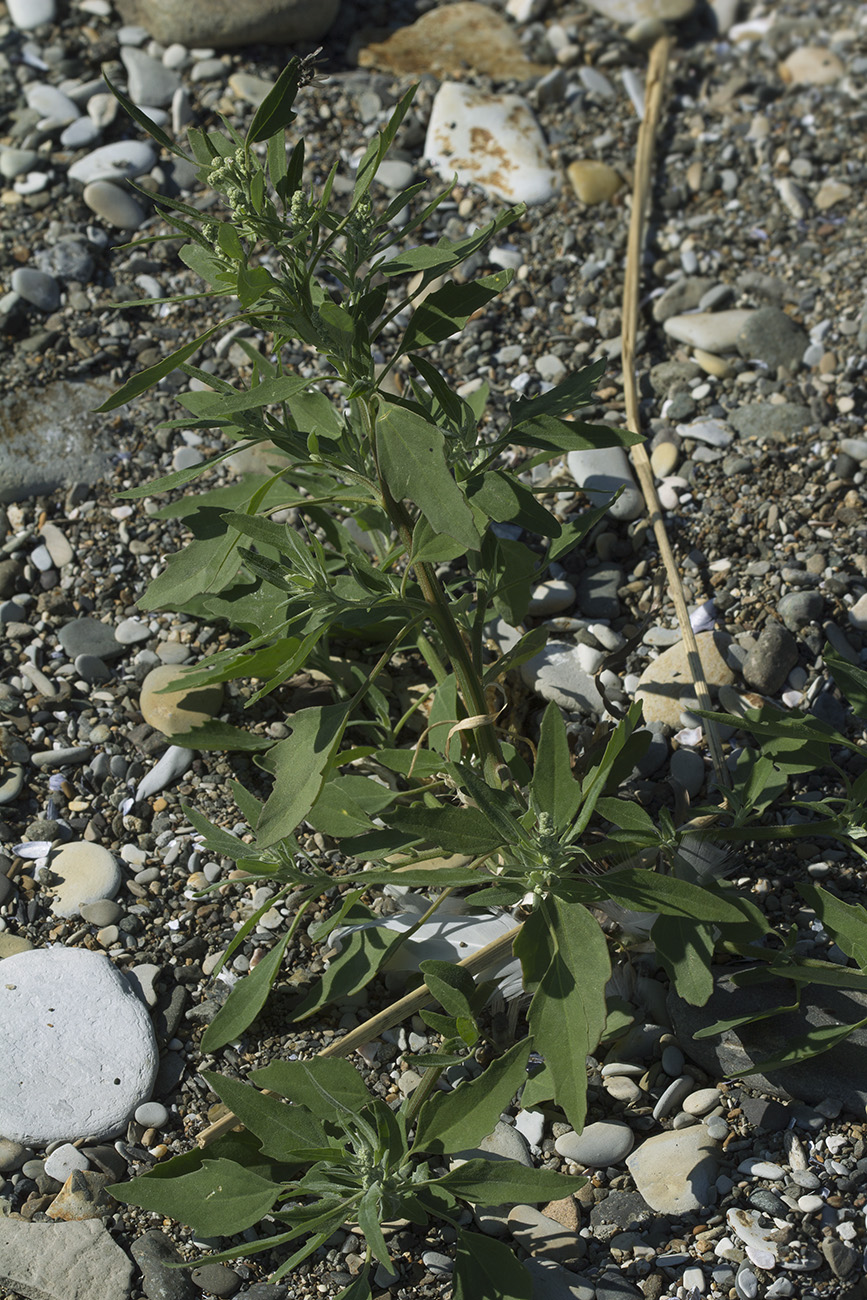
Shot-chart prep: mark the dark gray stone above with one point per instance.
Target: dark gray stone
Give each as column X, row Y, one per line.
column 627, row 1210
column 771, row 659
column 761, row 419
column 771, row 336
column 798, row 608
column 216, row 1279
column 69, row 259
column 840, row 1073
column 613, row 1286
column 597, row 591
column 267, row 1291
column 765, row 1114
column 87, row 636
column 38, row 288
column 224, row 24
column 152, row 1252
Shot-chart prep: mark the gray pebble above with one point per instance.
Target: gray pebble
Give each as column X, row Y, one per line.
column 799, row 608
column 104, row 912
column 151, row 83
column 152, row 1114
column 113, row 205
column 717, row 1128
column 92, row 669
column 36, row 287
column 89, row 636
column 772, row 658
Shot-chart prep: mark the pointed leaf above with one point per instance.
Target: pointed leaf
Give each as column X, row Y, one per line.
column 488, row 1270
column 307, row 1082
column 362, row 954
column 454, row 830
column 686, row 951
column 644, row 890
column 505, row 1182
column 146, row 379
column 850, row 679
column 245, row 1001
column 447, row 310
column 573, row 391
column 846, row 921
column 219, row 1199
column 299, row 765
column 529, row 644
column 288, row 1133
column 554, row 789
column 567, row 1014
column 811, row 1044
column 274, row 114
column 458, row 1120
column 505, row 499
column 451, row 985
column 411, row 454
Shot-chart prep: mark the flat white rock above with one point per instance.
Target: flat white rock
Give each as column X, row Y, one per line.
column 84, row 872
column 675, row 1171
column 556, row 674
column 489, row 140
column 114, row 205
column 712, row 331
column 77, row 1048
column 114, row 162
column 63, row 1261
column 26, row 14
column 598, row 1145
column 51, row 102
column 599, row 472
column 173, row 764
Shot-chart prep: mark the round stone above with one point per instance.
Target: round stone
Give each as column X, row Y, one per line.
column 113, row 205
column 182, row 711
column 37, row 288
column 84, row 873
column 598, row 1146
column 12, row 1155
column 87, row 636
column 594, row 182
column 664, row 459
column 152, row 1114
column 114, row 162
column 77, row 1049
column 701, row 1101
column 105, row 911
column 668, row 678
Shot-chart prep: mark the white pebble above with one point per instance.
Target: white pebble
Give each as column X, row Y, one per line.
column 152, row 1114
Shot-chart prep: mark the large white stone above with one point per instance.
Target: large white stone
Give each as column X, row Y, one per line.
column 114, row 162
column 712, row 331
column 63, row 1261
column 26, row 14
column 675, row 1171
column 84, row 872
column 489, row 140
column 77, row 1048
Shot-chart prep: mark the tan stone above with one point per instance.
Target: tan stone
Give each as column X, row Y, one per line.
column 811, row 65
column 594, row 182
column 636, row 11
column 712, row 364
column 83, row 1196
column 452, row 42
column 181, row 711
column 664, row 682
column 664, row 458
column 12, row 944
column 564, row 1212
column 829, row 193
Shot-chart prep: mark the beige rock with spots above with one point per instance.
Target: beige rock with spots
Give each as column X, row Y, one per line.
column 667, row 680
column 594, row 182
column 811, row 65
column 446, row 42
column 181, row 711
column 675, row 1171
column 82, row 873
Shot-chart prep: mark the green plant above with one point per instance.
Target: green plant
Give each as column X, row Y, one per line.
column 383, row 490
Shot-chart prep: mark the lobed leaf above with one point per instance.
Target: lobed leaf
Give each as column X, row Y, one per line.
column 246, row 999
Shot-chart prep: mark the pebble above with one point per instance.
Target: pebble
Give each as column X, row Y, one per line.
column 27, row 14
column 36, row 287
column 551, row 597
column 114, row 162
column 667, row 680
column 701, row 1101
column 112, row 204
column 811, row 65
column 64, row 1261
column 63, row 1160
column 602, row 471
column 153, row 1252
column 594, row 182
column 556, row 674
column 713, row 332
column 91, row 637
column 53, row 1001
column 598, row 1146
column 538, row 1234
column 771, row 659
column 687, row 768
column 664, row 459
column 150, row 81
column 83, row 873
column 769, row 335
column 797, row 609
column 469, row 132
column 675, row 1171
column 101, row 913
column 716, row 433
column 173, row 764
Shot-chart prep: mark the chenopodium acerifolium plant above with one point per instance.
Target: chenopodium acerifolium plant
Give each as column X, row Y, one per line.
column 422, row 481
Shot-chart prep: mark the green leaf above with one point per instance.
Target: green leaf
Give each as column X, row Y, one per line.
column 851, row 680
column 358, row 1289
column 567, row 1014
column 220, row 842
column 846, row 921
column 362, row 954
column 347, row 805
column 457, row 1121
column 451, row 985
column 505, row 1182
column 813, row 1043
column 575, row 532
column 379, row 146
column 447, row 310
column 534, row 947
column 627, row 814
column 431, row 546
column 554, row 789
column 288, row 1133
column 274, row 114
column 453, row 830
column 448, row 253
column 219, row 1199
column 146, row 379
column 328, row 1087
column 209, row 561
column 245, row 1001
column 512, row 569
column 369, row 1215
column 685, row 949
column 411, row 453
column 207, row 263
column 644, row 890
column 299, row 765
column 505, row 499
column 597, row 778
column 488, row 1270
column 138, row 115
column 221, row 735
